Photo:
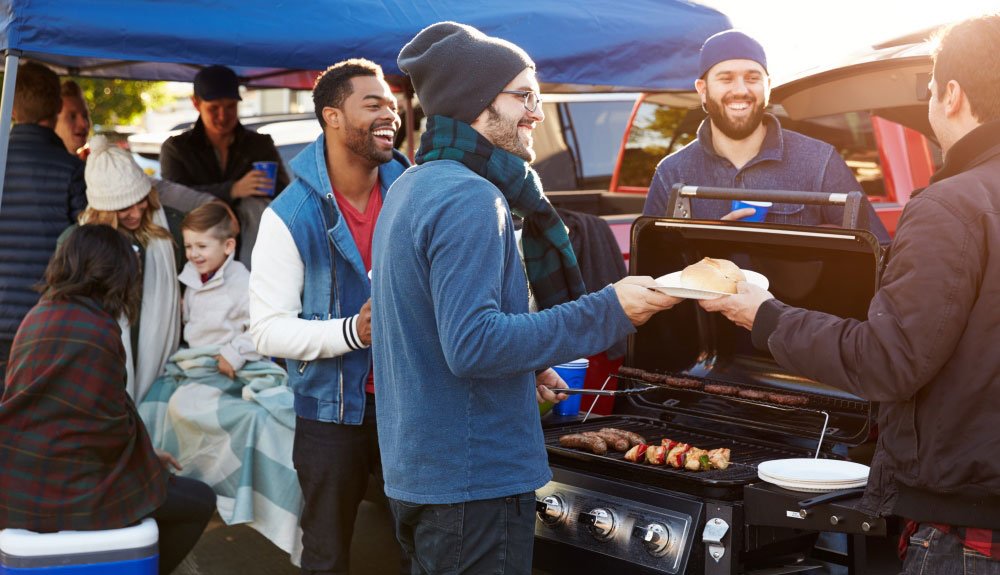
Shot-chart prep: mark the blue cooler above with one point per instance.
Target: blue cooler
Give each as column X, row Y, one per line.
column 128, row 551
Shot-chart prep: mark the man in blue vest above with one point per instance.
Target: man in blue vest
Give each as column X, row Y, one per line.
column 43, row 193
column 309, row 300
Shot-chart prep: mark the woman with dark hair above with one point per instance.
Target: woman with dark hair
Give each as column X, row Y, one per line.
column 74, row 452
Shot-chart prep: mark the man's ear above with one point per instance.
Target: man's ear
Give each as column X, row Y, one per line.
column 229, row 246
column 331, row 116
column 196, row 102
column 699, row 86
column 954, row 98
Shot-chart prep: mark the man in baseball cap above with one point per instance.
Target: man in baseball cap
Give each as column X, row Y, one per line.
column 217, row 155
column 463, row 362
column 742, row 146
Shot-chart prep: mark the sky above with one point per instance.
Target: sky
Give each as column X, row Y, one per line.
column 800, row 34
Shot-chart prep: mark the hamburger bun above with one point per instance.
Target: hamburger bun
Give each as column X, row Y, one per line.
column 712, row 275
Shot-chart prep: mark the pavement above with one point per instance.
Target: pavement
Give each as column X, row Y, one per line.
column 239, row 550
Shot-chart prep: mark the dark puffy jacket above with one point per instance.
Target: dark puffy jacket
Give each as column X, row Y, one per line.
column 43, row 193
column 188, row 158
column 928, row 349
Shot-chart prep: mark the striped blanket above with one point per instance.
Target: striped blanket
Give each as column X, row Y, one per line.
column 235, row 435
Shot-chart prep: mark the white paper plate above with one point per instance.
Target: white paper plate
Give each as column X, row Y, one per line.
column 671, row 285
column 829, row 484
column 816, row 471
column 811, row 487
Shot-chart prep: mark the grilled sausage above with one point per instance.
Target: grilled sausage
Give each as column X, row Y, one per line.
column 632, row 437
column 631, row 372
column 789, row 399
column 614, row 440
column 754, row 394
column 682, row 382
column 591, row 443
column 718, row 389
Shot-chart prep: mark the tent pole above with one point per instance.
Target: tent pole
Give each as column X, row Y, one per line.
column 7, row 111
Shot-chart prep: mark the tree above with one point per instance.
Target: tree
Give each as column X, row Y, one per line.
column 121, row 102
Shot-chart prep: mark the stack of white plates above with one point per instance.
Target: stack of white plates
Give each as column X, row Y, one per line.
column 813, row 475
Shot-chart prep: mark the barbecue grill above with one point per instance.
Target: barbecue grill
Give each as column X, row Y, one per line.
column 604, row 514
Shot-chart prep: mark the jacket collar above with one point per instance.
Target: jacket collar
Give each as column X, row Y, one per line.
column 309, row 166
column 974, row 148
column 199, row 135
column 42, row 132
column 772, row 148
column 190, row 277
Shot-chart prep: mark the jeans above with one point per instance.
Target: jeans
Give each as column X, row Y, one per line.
column 490, row 536
column 333, row 462
column 932, row 552
column 182, row 519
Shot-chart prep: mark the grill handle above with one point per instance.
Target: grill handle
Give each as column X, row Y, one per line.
column 679, row 203
column 831, row 497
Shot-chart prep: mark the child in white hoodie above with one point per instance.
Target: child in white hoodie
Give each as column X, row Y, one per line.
column 216, row 303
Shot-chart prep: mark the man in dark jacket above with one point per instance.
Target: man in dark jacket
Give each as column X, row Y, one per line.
column 43, row 193
column 927, row 350
column 217, row 155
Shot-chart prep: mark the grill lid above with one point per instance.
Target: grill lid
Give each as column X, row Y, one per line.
column 826, row 269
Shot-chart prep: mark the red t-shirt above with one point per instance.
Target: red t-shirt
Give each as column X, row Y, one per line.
column 362, row 226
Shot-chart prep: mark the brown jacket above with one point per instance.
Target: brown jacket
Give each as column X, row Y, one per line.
column 928, row 351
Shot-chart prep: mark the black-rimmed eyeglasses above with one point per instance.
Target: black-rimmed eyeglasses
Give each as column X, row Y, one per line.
column 531, row 99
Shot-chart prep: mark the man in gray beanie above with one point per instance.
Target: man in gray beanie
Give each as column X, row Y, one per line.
column 462, row 361
column 741, row 146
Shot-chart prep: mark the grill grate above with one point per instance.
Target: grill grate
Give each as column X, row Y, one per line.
column 745, row 455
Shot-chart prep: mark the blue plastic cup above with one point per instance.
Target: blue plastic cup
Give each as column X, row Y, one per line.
column 760, row 210
column 573, row 373
column 271, row 169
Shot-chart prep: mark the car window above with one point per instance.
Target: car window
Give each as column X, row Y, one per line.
column 657, row 131
column 597, row 128
column 578, row 142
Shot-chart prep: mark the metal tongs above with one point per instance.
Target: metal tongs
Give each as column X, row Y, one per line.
column 605, row 392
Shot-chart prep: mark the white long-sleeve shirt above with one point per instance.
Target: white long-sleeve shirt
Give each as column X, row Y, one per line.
column 276, row 283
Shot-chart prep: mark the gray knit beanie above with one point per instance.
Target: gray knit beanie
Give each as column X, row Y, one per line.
column 457, row 71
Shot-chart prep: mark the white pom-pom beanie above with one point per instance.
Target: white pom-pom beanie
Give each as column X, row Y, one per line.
column 114, row 180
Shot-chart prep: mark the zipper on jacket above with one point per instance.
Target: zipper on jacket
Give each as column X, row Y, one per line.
column 335, row 306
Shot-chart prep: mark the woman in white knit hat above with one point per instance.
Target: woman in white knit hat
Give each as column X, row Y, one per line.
column 121, row 195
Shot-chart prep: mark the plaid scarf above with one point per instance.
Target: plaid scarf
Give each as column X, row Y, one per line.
column 548, row 255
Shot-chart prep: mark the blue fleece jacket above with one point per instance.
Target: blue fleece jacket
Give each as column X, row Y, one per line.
column 454, row 345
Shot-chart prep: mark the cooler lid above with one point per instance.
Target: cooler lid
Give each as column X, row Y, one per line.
column 833, row 270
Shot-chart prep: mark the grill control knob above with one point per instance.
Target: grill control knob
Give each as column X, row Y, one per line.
column 655, row 538
column 551, row 509
column 600, row 521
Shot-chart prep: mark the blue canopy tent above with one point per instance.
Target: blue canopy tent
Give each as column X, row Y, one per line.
column 589, row 45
